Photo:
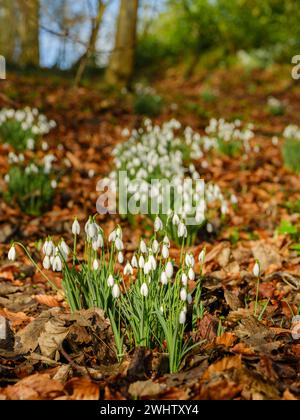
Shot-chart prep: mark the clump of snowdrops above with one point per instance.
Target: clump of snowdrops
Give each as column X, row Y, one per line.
column 30, row 185
column 291, row 147
column 23, row 128
column 229, row 138
column 150, row 301
column 166, row 153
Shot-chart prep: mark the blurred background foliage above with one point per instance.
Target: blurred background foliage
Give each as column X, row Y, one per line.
column 146, row 37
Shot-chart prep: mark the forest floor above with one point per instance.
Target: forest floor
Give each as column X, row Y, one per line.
column 253, row 358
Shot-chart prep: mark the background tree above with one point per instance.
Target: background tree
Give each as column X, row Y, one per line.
column 29, row 32
column 121, row 63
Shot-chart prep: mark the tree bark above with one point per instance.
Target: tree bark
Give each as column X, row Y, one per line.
column 29, row 32
column 84, row 59
column 8, row 25
column 121, row 64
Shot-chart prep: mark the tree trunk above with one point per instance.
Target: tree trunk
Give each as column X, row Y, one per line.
column 29, row 32
column 121, row 63
column 84, row 59
column 8, row 31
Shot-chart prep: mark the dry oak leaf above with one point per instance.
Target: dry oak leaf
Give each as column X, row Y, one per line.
column 82, row 389
column 267, row 255
column 143, row 389
column 46, row 300
column 35, row 387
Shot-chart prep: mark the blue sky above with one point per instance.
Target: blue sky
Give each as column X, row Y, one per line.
column 53, row 48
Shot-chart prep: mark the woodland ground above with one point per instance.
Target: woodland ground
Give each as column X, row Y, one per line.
column 252, row 359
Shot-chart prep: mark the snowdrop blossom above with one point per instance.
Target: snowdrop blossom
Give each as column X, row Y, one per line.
column 165, row 252
column 141, row 262
column 184, row 279
column 155, row 246
column 119, row 244
column 120, row 257
column 158, row 224
column 64, row 249
column 143, row 247
column 57, row 264
column 116, row 291
column 191, row 274
column 169, row 270
column 76, row 227
column 201, row 257
column 91, row 230
column 110, row 281
column 128, row 270
column 144, row 290
column 48, row 248
column 47, row 263
column 134, row 262
column 182, row 317
column 164, row 278
column 182, row 230
column 256, row 269
column 183, row 294
column 12, row 253
column 96, row 265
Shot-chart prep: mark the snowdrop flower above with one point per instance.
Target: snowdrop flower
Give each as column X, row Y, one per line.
column 53, row 184
column 182, row 230
column 97, row 243
column 182, row 317
column 64, row 249
column 158, row 224
column 256, row 269
column 116, row 291
column 155, row 246
column 166, row 241
column 141, row 262
column 6, row 178
column 12, row 253
column 201, row 257
column 164, row 278
column 144, row 290
column 184, row 279
column 91, row 230
column 96, row 265
column 134, row 262
column 119, row 244
column 169, row 270
column 128, row 270
column 165, row 252
column 110, row 281
column 143, row 247
column 57, row 264
column 120, row 257
column 46, row 263
column 191, row 274
column 147, row 268
column 189, row 260
column 112, row 236
column 76, row 228
column 152, row 262
column 161, row 309
column 183, row 294
column 189, row 299
column 48, row 248
column 175, row 220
